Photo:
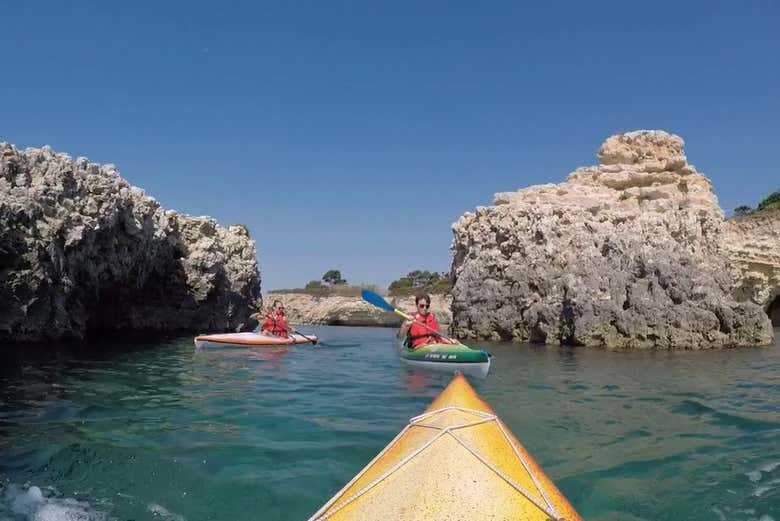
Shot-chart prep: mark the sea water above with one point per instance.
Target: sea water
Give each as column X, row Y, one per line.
column 161, row 430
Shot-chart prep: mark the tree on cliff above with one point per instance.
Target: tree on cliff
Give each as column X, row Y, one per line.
column 333, row 278
column 421, row 282
column 772, row 201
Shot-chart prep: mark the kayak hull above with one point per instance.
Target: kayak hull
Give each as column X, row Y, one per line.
column 457, row 461
column 250, row 340
column 478, row 369
column 447, row 357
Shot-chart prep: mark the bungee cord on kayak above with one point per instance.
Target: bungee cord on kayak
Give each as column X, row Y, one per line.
column 504, row 480
column 548, row 508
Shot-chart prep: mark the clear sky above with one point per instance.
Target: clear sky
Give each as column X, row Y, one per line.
column 351, row 135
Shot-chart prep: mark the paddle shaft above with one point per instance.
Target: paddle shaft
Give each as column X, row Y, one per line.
column 312, row 340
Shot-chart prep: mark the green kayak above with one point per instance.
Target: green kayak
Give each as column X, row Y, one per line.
column 448, row 357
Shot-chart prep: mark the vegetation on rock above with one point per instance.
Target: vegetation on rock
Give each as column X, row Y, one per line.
column 770, row 202
column 334, row 278
column 421, row 282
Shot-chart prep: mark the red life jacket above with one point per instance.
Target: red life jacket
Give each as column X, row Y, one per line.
column 276, row 325
column 418, row 335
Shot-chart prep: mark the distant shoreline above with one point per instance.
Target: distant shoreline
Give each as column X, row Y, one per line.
column 337, row 310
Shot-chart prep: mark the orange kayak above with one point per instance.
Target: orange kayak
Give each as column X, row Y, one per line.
column 456, row 461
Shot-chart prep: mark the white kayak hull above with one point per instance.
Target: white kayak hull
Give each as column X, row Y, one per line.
column 250, row 340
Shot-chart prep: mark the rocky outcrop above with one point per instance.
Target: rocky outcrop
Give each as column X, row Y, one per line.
column 82, row 252
column 353, row 311
column 753, row 246
column 625, row 254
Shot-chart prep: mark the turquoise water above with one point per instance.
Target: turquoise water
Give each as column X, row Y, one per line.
column 165, row 431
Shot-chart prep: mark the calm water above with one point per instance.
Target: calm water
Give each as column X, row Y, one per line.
column 168, row 432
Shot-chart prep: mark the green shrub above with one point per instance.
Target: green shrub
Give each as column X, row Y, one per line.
column 420, row 282
column 333, row 278
column 772, row 201
column 318, row 289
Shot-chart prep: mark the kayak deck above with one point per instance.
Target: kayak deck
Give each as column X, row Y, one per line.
column 250, row 339
column 456, row 461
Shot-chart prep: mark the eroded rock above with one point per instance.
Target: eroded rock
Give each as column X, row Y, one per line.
column 82, row 251
column 625, row 254
column 753, row 246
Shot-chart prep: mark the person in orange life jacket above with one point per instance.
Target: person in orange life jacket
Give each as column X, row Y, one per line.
column 275, row 322
column 415, row 334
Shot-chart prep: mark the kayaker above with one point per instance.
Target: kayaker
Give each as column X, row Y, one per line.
column 413, row 331
column 276, row 322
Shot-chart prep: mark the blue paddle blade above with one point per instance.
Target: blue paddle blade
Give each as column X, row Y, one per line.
column 376, row 300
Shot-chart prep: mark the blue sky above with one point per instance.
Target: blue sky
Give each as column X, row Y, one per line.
column 351, row 135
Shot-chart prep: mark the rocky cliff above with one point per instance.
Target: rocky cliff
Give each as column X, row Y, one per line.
column 625, row 254
column 83, row 252
column 753, row 246
column 353, row 311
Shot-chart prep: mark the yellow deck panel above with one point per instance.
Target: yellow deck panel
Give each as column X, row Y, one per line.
column 452, row 464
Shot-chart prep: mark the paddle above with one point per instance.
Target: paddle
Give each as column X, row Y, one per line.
column 312, row 340
column 378, row 301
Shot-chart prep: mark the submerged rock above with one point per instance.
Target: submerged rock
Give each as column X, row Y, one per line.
column 82, row 252
column 626, row 254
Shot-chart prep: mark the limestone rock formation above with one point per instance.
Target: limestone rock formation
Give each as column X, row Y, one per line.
column 82, row 252
column 625, row 254
column 353, row 311
column 753, row 246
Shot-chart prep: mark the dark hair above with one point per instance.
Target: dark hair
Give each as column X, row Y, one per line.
column 422, row 296
column 277, row 301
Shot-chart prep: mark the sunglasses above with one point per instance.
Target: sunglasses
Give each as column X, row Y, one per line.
column 426, row 306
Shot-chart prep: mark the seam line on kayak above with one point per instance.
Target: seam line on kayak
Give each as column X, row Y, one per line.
column 383, row 476
column 548, row 511
column 525, row 465
column 318, row 514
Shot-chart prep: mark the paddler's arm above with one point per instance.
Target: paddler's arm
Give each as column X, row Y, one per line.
column 403, row 331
